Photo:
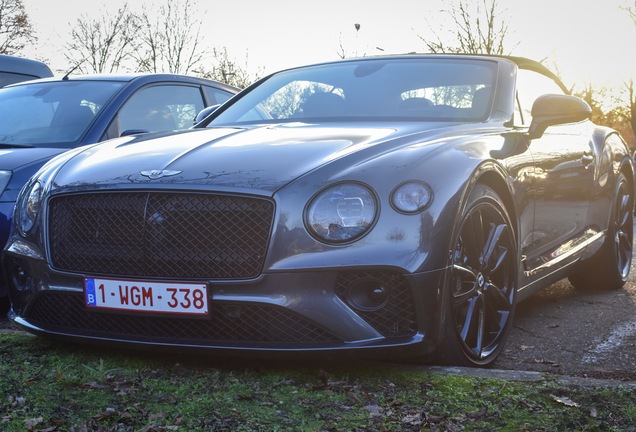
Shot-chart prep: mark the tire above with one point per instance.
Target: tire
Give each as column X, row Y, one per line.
column 609, row 268
column 481, row 287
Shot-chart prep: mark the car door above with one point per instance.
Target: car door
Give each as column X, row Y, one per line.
column 563, row 178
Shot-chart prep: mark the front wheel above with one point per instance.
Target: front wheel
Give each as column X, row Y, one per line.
column 481, row 287
column 609, row 268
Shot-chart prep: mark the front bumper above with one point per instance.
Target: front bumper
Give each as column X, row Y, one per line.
column 309, row 310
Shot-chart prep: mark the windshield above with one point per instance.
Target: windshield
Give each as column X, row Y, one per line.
column 433, row 89
column 51, row 114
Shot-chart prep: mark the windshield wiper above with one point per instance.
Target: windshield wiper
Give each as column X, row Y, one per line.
column 15, row 145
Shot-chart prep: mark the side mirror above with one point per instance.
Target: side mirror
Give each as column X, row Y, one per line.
column 129, row 132
column 205, row 112
column 552, row 109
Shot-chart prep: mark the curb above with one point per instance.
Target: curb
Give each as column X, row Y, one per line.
column 528, row 376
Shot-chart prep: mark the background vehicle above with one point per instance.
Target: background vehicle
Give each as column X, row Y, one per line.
column 16, row 69
column 398, row 205
column 43, row 118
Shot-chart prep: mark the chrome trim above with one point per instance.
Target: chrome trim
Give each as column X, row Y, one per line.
column 565, row 255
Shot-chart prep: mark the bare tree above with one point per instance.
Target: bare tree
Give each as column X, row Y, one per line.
column 631, row 109
column 163, row 40
column 609, row 107
column 631, row 11
column 630, row 84
column 171, row 39
column 593, row 95
column 480, row 28
column 103, row 44
column 16, row 30
column 225, row 69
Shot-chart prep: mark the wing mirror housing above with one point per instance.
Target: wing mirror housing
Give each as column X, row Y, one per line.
column 205, row 112
column 554, row 109
column 129, row 132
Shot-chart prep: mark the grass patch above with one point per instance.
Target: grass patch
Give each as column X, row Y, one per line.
column 48, row 386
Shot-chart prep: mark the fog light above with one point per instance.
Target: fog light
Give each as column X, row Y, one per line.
column 367, row 295
column 19, row 276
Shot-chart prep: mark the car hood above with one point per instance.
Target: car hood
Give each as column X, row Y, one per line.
column 16, row 157
column 258, row 159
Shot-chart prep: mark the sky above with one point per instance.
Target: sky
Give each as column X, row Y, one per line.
column 590, row 41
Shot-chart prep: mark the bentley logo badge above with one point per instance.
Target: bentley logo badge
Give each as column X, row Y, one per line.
column 157, row 174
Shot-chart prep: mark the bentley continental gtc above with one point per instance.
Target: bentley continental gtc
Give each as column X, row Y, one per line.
column 397, row 205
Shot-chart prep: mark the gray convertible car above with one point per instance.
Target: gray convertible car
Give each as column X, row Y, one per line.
column 398, row 205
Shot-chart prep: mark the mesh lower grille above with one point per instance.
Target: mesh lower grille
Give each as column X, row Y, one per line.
column 397, row 317
column 176, row 235
column 229, row 324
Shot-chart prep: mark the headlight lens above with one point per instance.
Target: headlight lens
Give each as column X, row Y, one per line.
column 29, row 207
column 411, row 197
column 5, row 176
column 341, row 213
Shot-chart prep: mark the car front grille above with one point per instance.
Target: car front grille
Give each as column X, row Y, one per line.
column 229, row 324
column 157, row 234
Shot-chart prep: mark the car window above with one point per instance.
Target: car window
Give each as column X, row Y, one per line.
column 436, row 89
column 531, row 85
column 53, row 114
column 7, row 78
column 216, row 95
column 161, row 108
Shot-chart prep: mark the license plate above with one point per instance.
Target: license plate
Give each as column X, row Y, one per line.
column 147, row 296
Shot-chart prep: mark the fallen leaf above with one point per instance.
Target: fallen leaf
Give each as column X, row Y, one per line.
column 413, row 420
column 565, row 401
column 374, row 410
column 32, row 422
column 479, row 415
column 545, row 361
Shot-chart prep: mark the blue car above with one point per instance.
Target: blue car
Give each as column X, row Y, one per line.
column 15, row 69
column 43, row 118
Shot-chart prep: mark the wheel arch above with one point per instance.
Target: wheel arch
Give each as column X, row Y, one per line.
column 613, row 150
column 493, row 176
column 490, row 174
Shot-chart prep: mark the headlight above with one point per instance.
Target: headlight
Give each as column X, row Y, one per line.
column 341, row 213
column 411, row 197
column 29, row 207
column 5, row 176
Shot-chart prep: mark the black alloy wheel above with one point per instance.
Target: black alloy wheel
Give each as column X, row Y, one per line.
column 622, row 229
column 482, row 288
column 609, row 268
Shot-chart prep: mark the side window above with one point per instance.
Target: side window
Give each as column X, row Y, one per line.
column 161, row 108
column 531, row 85
column 217, row 96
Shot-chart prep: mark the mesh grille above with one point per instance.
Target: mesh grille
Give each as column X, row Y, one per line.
column 160, row 234
column 397, row 317
column 228, row 324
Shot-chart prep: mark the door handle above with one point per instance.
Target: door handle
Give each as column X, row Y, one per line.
column 587, row 159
